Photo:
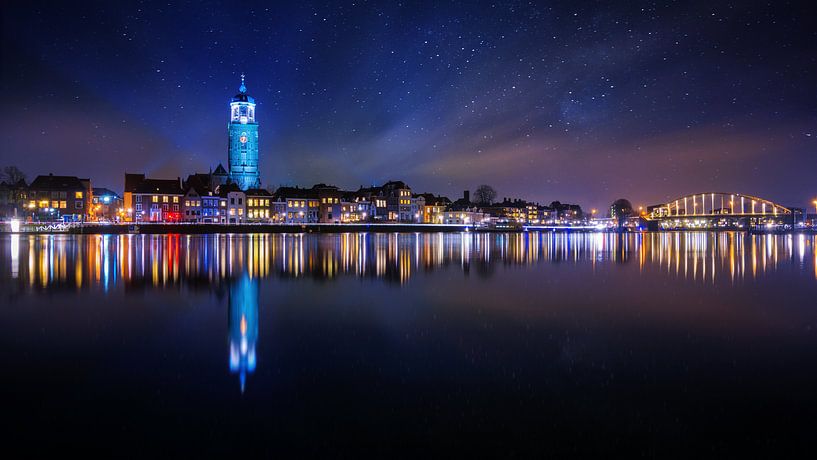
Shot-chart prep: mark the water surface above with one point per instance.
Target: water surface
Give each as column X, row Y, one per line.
column 653, row 343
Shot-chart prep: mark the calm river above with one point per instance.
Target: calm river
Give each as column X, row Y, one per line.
column 498, row 344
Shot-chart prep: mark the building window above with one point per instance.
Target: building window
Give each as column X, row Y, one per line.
column 164, row 199
column 55, row 204
column 175, row 199
column 239, row 200
column 78, row 204
column 175, row 207
column 232, row 200
column 155, row 198
column 63, row 204
column 138, row 206
column 138, row 198
column 78, row 195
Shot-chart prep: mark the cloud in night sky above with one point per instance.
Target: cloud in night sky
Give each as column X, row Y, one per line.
column 571, row 101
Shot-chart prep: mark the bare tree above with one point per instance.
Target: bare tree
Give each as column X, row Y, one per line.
column 485, row 194
column 11, row 175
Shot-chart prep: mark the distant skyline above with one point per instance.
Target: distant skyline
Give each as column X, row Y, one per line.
column 581, row 102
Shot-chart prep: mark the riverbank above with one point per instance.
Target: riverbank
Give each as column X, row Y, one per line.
column 194, row 229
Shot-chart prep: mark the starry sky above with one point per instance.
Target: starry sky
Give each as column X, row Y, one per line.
column 582, row 102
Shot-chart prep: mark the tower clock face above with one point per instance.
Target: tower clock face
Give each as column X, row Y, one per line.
column 243, row 138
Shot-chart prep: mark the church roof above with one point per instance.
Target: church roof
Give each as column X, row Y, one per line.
column 220, row 171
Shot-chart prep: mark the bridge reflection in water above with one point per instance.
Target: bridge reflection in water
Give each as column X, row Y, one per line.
column 206, row 261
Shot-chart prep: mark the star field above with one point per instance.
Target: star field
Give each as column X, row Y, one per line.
column 575, row 101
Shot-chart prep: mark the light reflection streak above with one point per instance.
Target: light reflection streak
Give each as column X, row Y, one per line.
column 87, row 262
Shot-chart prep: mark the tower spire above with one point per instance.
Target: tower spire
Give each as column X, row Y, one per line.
column 242, row 89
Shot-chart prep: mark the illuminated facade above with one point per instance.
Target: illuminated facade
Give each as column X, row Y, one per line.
column 60, row 198
column 243, row 140
column 152, row 200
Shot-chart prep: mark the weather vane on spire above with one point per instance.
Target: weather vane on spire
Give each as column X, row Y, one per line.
column 242, row 89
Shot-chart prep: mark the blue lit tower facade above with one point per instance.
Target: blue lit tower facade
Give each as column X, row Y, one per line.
column 243, row 140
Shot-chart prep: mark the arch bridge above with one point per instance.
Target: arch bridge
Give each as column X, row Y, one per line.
column 719, row 209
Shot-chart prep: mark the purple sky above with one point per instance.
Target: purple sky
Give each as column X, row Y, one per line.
column 577, row 102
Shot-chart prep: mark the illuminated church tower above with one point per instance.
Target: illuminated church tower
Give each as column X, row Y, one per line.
column 243, row 140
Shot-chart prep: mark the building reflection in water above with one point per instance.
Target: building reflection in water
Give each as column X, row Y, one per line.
column 243, row 327
column 133, row 262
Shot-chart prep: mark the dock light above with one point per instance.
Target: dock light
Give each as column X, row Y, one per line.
column 15, row 226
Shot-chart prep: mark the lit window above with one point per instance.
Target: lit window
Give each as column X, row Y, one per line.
column 155, row 199
column 78, row 195
column 164, row 199
column 55, row 204
column 63, row 204
column 175, row 199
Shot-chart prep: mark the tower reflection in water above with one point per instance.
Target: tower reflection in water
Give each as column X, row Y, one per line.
column 243, row 327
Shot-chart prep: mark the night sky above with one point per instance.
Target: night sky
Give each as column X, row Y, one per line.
column 571, row 101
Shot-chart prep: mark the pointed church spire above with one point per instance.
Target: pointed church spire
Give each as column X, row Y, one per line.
column 242, row 89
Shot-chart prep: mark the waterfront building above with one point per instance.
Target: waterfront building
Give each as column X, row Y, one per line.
column 107, row 205
column 235, row 202
column 191, row 209
column 278, row 211
column 567, row 213
column 201, row 203
column 508, row 211
column 213, row 209
column 302, row 206
column 60, row 198
column 259, row 205
column 471, row 216
column 400, row 207
column 372, row 202
column 432, row 208
column 242, row 133
column 152, row 200
column 330, row 208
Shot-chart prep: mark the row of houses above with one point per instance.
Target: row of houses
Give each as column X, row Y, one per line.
column 199, row 199
column 59, row 198
column 212, row 198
